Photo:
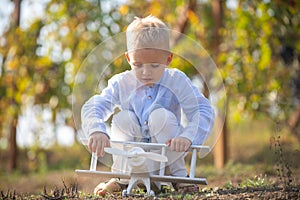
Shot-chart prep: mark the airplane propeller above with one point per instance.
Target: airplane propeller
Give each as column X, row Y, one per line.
column 137, row 152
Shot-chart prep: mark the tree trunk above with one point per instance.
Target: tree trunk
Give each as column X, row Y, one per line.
column 217, row 14
column 16, row 13
column 183, row 20
column 13, row 149
column 221, row 148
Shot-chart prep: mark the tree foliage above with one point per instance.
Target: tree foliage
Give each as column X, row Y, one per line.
column 254, row 60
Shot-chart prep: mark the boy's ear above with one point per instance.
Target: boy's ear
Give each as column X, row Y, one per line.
column 127, row 57
column 169, row 59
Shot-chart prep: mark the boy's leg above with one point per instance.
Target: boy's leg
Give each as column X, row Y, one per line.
column 124, row 127
column 163, row 126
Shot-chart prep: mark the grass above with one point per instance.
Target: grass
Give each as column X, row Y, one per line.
column 253, row 162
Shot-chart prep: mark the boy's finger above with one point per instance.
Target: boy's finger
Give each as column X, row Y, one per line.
column 173, row 145
column 186, row 148
column 178, row 146
column 90, row 144
column 168, row 142
column 100, row 149
column 94, row 146
column 107, row 144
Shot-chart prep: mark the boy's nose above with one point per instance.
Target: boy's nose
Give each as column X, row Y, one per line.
column 146, row 69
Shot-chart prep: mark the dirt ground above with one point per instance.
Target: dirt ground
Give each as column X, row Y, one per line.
column 32, row 187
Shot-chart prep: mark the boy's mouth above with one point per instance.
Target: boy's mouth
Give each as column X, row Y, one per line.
column 148, row 82
column 146, row 79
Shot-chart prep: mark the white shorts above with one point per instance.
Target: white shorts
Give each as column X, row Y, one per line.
column 162, row 125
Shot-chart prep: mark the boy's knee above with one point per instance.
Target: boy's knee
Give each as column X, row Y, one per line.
column 160, row 119
column 124, row 120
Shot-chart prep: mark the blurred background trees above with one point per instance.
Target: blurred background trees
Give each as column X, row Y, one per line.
column 255, row 44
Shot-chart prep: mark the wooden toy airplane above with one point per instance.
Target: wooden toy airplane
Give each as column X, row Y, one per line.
column 137, row 153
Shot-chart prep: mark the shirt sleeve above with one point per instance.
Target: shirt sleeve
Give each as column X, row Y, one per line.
column 198, row 110
column 99, row 108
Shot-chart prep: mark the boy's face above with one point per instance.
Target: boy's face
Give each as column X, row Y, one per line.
column 149, row 64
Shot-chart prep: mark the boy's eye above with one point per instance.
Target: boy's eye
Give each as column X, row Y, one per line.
column 154, row 65
column 137, row 65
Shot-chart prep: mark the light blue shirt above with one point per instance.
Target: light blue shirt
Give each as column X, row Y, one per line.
column 174, row 92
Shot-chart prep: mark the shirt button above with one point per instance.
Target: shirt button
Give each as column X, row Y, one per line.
column 145, row 122
column 149, row 97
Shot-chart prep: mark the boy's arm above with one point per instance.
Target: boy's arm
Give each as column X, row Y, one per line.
column 200, row 116
column 197, row 108
column 94, row 113
column 97, row 110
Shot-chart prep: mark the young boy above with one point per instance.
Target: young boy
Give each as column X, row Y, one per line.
column 150, row 98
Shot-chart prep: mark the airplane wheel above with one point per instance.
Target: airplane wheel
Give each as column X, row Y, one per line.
column 152, row 194
column 124, row 193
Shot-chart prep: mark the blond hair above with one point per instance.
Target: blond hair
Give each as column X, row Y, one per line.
column 148, row 32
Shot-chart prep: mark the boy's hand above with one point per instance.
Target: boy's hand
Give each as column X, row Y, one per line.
column 179, row 144
column 97, row 142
